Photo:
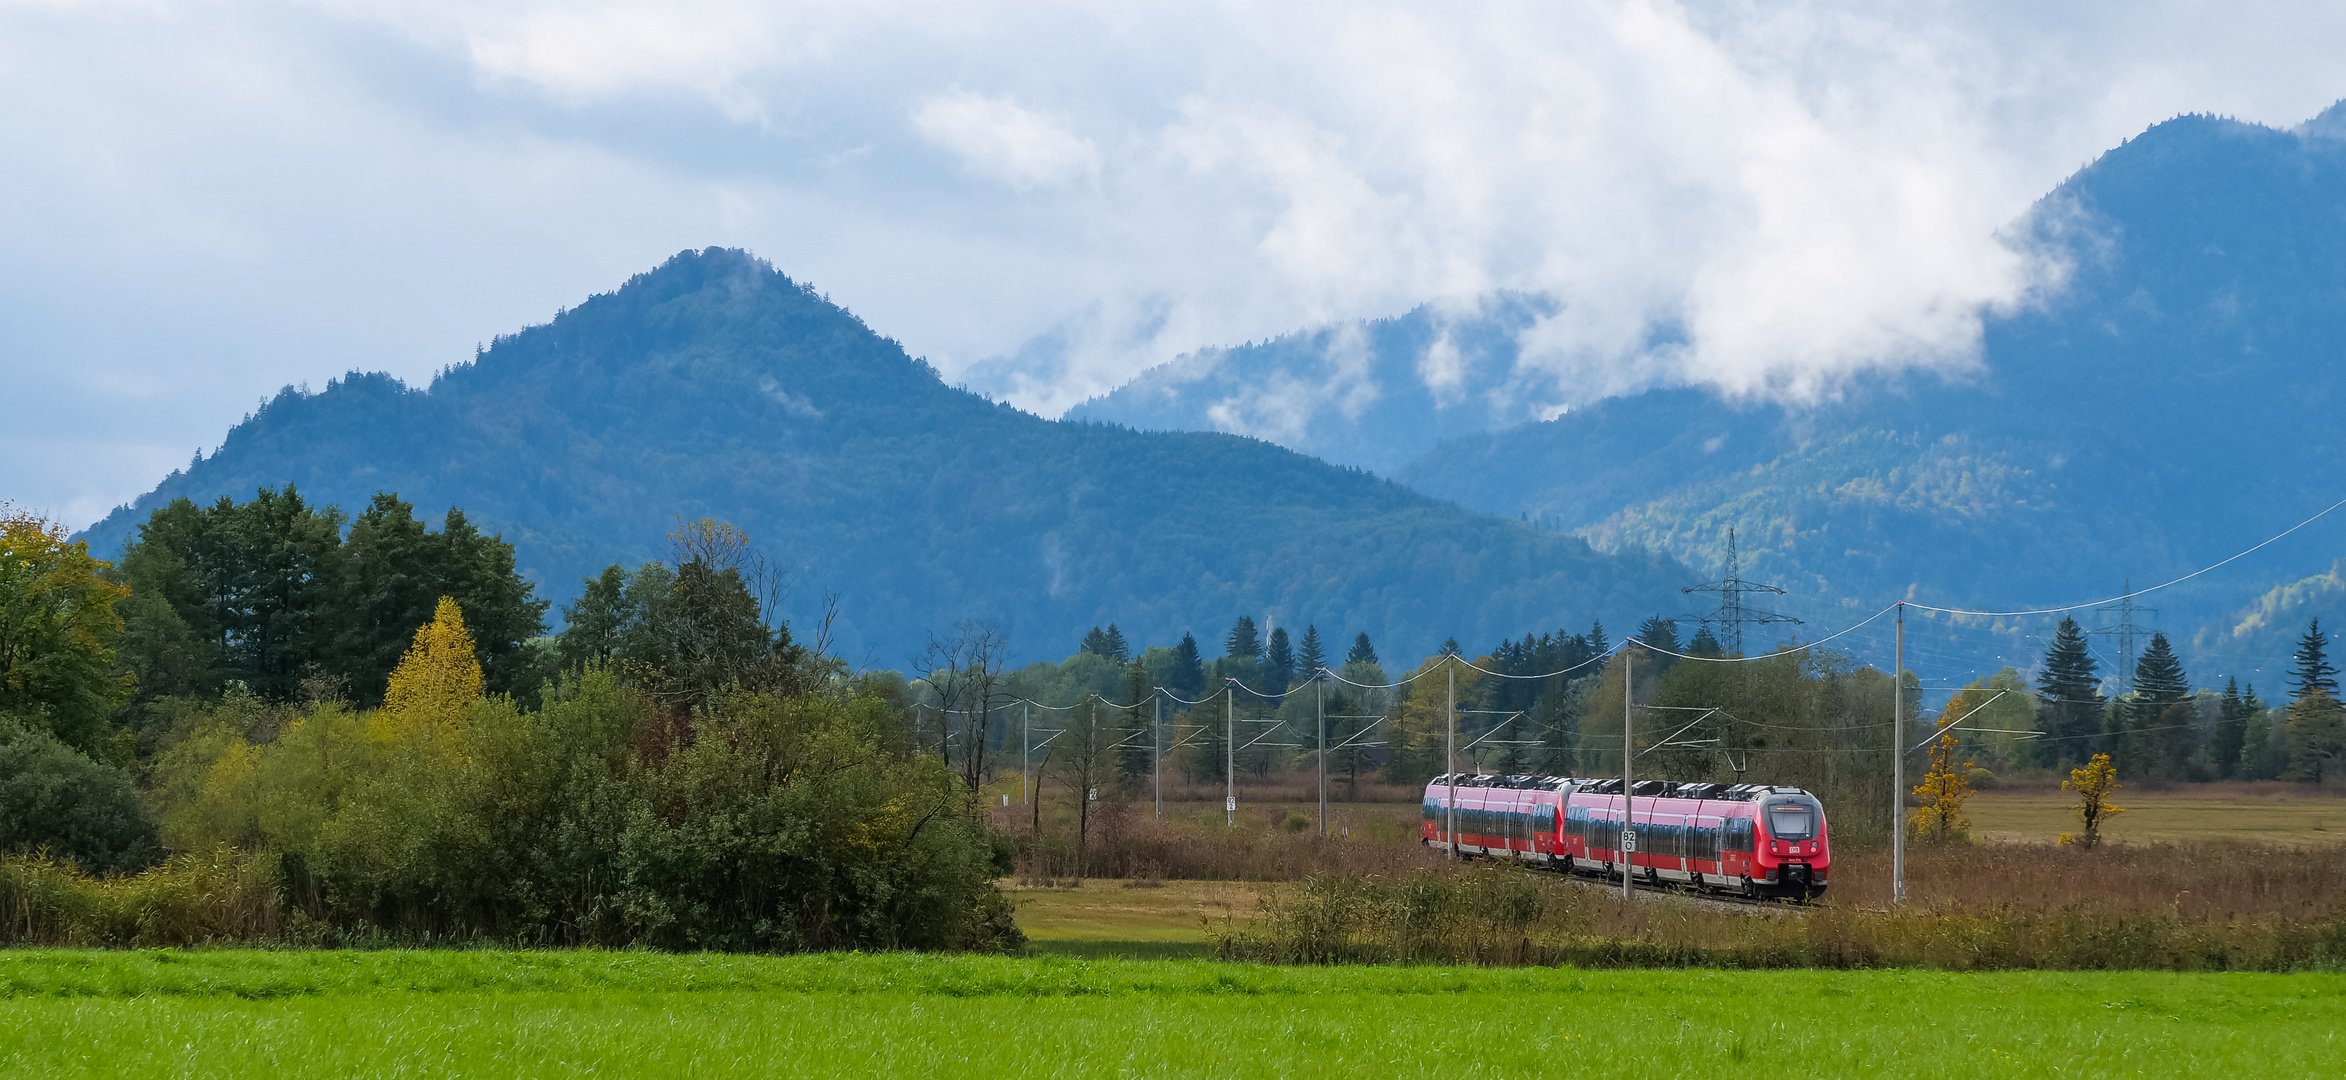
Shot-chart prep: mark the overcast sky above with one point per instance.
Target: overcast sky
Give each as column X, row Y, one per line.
column 203, row 202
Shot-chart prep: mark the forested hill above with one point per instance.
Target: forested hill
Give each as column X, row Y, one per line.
column 2179, row 399
column 716, row 386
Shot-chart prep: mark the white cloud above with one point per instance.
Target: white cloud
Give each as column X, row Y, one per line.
column 228, row 197
column 994, row 138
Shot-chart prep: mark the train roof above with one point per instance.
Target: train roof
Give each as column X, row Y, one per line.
column 1653, row 789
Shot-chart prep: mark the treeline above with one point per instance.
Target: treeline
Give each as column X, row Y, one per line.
column 1545, row 704
column 2161, row 727
column 282, row 600
column 699, row 780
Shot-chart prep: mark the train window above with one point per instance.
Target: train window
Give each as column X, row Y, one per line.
column 1791, row 822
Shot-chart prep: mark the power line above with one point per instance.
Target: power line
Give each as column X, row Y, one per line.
column 1733, row 612
column 2268, row 541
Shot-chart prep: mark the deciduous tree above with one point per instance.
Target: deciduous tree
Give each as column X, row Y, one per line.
column 58, row 626
column 1945, row 787
column 2093, row 782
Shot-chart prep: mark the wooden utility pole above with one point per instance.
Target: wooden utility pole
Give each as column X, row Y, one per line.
column 1898, row 766
column 1319, row 708
column 1450, row 753
column 1229, row 756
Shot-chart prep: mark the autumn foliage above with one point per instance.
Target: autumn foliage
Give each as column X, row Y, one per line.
column 2093, row 784
column 1943, row 791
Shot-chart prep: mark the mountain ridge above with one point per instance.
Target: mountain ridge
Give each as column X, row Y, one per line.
column 2174, row 403
column 716, row 386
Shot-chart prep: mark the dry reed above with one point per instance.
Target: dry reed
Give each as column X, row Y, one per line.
column 211, row 897
column 1504, row 915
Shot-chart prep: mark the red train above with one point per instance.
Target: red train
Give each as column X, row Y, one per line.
column 1754, row 839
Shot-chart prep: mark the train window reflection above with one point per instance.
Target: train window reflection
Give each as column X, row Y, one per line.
column 1790, row 822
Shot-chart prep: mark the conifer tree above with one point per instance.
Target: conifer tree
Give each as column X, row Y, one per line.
column 2317, row 734
column 1362, row 652
column 1188, row 677
column 1704, row 644
column 1597, row 645
column 1280, row 673
column 1095, row 642
column 1313, row 656
column 595, row 626
column 1119, row 649
column 1245, row 641
column 2231, row 735
column 2259, row 759
column 2155, row 737
column 2310, row 668
column 2070, row 709
column 435, row 684
column 1661, row 635
column 1137, row 748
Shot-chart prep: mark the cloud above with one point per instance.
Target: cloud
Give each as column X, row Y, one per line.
column 994, row 138
column 1766, row 196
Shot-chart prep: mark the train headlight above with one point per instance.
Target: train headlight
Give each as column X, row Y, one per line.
column 1775, row 848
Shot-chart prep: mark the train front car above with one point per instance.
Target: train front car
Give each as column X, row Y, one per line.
column 1794, row 856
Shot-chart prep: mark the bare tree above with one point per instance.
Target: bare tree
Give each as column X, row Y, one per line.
column 965, row 671
column 1087, row 757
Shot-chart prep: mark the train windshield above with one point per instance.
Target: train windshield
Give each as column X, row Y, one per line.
column 1791, row 822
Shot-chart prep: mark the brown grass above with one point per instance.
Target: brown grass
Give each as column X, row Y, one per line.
column 2264, row 814
column 1504, row 915
column 1197, row 912
column 2195, row 879
column 1126, row 841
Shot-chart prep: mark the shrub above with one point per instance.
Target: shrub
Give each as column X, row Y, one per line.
column 605, row 818
column 54, row 798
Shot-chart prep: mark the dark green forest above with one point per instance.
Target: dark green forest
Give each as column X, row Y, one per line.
column 715, row 386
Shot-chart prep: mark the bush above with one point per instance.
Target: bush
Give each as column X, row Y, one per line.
column 54, row 798
column 605, row 818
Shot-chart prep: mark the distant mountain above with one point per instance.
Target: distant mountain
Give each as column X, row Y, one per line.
column 1374, row 395
column 2181, row 398
column 716, row 386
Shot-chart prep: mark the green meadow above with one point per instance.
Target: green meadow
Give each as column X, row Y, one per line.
column 484, row 1013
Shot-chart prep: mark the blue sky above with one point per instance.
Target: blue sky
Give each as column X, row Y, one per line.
column 203, row 202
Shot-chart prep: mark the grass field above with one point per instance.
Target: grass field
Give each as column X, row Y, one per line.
column 2290, row 814
column 1173, row 918
column 230, row 1013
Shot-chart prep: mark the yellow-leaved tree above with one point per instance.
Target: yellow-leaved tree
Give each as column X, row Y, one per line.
column 435, row 684
column 1944, row 790
column 2093, row 785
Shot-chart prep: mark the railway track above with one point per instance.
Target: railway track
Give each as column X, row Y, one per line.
column 1660, row 889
